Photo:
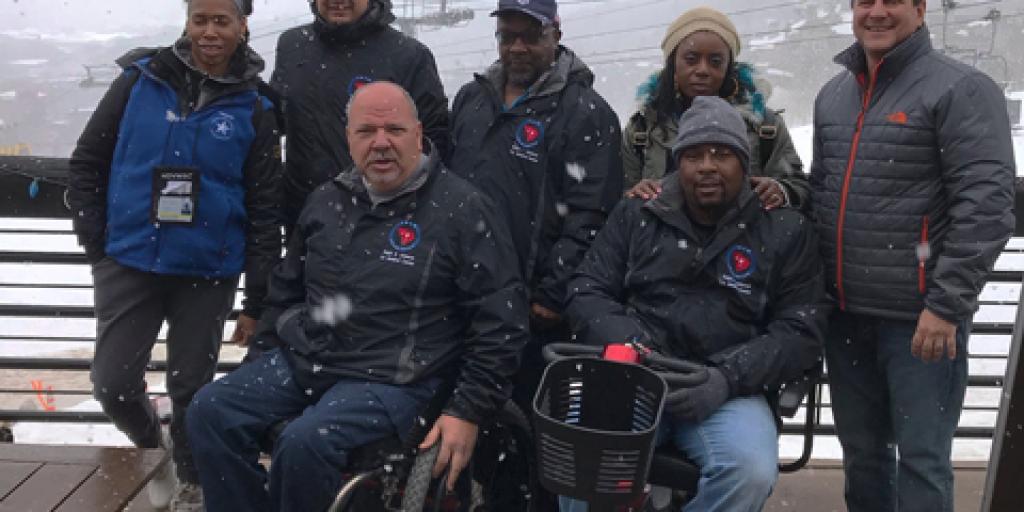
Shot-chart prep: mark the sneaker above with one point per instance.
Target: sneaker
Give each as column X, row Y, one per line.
column 162, row 486
column 187, row 498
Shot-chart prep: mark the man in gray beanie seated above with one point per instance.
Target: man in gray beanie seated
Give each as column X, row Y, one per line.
column 705, row 273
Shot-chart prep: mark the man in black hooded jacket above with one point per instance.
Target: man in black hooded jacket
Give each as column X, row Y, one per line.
column 318, row 67
column 532, row 134
column 395, row 275
column 704, row 273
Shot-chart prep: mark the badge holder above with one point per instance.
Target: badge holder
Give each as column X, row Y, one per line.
column 175, row 195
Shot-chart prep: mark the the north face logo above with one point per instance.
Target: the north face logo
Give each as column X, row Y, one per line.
column 898, row 117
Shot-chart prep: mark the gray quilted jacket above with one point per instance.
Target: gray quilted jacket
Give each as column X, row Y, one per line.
column 912, row 182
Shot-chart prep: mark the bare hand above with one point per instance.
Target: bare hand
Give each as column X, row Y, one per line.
column 646, row 189
column 458, row 437
column 245, row 327
column 933, row 337
column 769, row 190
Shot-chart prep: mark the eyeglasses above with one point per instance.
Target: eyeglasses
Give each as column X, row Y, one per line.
column 529, row 36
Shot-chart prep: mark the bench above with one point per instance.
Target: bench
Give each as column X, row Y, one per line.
column 47, row 325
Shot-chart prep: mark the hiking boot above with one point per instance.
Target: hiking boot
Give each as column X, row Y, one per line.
column 162, row 486
column 187, row 498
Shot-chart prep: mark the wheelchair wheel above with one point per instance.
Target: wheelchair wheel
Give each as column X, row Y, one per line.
column 418, row 484
column 505, row 468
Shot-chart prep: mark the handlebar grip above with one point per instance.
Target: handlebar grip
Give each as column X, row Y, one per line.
column 684, row 380
column 680, row 373
column 557, row 351
column 673, row 364
column 677, row 373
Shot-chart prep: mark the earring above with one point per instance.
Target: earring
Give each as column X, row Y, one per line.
column 735, row 88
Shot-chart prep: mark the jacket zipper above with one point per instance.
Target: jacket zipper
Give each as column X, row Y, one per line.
column 922, row 255
column 846, row 187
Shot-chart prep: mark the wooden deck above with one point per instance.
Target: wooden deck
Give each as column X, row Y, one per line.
column 36, row 478
column 818, row 487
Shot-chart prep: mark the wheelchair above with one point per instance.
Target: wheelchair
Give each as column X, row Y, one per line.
column 641, row 478
column 390, row 475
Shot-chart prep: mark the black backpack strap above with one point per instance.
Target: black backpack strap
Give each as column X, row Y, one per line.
column 641, row 136
column 766, row 133
column 264, row 90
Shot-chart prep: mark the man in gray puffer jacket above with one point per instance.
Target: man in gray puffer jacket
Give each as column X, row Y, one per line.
column 912, row 194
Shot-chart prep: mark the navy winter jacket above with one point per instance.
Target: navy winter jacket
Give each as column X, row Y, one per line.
column 550, row 162
column 163, row 112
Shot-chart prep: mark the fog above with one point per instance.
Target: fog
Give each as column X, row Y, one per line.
column 46, row 93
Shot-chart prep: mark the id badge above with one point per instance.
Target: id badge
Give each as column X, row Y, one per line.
column 175, row 194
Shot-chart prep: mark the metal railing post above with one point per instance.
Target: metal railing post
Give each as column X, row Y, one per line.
column 1006, row 462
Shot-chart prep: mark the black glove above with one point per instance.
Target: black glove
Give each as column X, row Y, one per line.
column 694, row 405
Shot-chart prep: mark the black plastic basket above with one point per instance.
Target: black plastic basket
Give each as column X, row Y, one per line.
column 595, row 424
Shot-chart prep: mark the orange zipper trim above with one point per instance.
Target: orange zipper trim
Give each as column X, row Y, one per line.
column 846, row 187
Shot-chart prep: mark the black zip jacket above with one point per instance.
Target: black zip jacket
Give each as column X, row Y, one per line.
column 411, row 288
column 319, row 66
column 551, row 162
column 750, row 300
column 89, row 167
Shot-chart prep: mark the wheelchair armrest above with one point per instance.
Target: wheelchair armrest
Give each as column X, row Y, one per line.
column 792, row 393
column 791, row 396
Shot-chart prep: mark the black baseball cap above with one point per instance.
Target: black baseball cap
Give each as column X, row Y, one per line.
column 544, row 11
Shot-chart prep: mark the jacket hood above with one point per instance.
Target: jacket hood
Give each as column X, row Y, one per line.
column 377, row 16
column 854, row 59
column 755, row 105
column 568, row 67
column 245, row 64
column 132, row 56
column 351, row 178
column 669, row 205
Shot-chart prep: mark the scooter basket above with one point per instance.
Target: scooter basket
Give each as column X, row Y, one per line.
column 595, row 424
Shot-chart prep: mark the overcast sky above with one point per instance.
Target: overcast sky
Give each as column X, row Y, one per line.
column 128, row 16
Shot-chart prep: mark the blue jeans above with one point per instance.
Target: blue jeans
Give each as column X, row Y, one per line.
column 228, row 417
column 737, row 450
column 895, row 414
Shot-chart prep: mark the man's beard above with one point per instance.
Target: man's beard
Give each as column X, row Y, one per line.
column 522, row 76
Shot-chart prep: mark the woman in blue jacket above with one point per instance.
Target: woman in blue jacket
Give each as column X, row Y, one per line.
column 174, row 193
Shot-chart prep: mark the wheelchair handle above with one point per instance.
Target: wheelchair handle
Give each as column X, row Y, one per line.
column 677, row 373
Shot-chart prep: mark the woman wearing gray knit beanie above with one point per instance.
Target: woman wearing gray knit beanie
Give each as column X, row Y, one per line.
column 700, row 49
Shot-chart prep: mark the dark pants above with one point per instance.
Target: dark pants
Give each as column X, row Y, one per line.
column 130, row 308
column 895, row 414
column 230, row 416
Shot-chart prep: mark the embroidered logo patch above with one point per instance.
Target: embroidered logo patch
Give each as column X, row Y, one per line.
column 405, row 236
column 740, row 261
column 898, row 117
column 222, row 126
column 530, row 133
column 357, row 82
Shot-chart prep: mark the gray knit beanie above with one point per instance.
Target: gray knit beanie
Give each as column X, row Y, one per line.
column 712, row 120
